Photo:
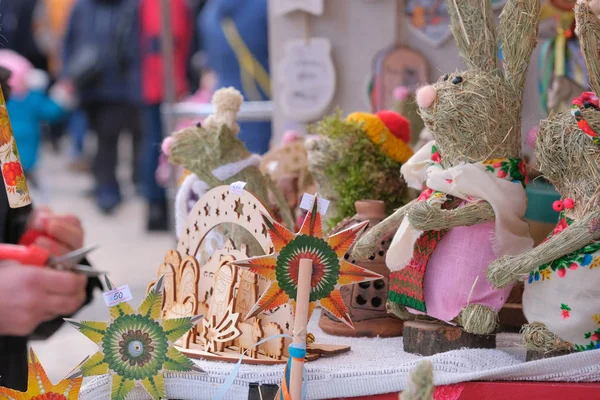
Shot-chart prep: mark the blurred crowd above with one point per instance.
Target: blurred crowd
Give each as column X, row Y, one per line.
column 87, row 71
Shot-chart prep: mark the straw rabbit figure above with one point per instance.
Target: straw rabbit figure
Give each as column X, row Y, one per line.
column 562, row 289
column 472, row 207
column 215, row 156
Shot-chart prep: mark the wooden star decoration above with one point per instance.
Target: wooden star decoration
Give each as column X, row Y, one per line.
column 136, row 347
column 39, row 386
column 238, row 208
column 330, row 270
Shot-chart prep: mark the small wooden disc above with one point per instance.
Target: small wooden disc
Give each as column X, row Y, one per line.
column 429, row 338
column 533, row 355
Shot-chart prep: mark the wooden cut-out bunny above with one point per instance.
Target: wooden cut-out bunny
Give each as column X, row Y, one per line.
column 473, row 201
column 561, row 299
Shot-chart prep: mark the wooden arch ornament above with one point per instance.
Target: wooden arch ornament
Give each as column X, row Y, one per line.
column 210, row 284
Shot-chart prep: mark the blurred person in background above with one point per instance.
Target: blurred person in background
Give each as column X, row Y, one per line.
column 102, row 60
column 17, row 27
column 153, row 95
column 34, row 300
column 50, row 24
column 29, row 106
column 230, row 30
column 195, row 57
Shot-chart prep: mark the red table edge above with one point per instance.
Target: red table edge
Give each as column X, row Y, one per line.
column 506, row 390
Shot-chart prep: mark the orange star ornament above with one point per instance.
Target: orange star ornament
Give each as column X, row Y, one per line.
column 330, row 269
column 39, row 386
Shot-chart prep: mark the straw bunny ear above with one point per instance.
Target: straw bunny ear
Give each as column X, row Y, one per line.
column 473, row 27
column 588, row 27
column 519, row 24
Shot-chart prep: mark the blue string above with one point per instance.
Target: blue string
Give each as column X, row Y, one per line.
column 296, row 350
column 236, row 369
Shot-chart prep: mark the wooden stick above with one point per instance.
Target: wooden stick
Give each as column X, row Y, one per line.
column 300, row 322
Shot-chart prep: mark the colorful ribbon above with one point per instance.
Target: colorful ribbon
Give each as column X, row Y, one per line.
column 297, row 353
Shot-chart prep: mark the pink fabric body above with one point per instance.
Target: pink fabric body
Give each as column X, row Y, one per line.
column 459, row 260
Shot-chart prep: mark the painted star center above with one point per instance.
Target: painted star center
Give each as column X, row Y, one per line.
column 135, row 348
column 325, row 263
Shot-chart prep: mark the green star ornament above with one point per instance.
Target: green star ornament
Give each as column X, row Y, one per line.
column 137, row 346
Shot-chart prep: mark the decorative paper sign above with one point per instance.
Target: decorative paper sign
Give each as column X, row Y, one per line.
column 307, row 77
column 12, row 170
column 330, row 270
column 237, row 188
column 308, row 202
column 118, row 295
column 429, row 20
column 39, row 386
column 137, row 346
column 282, row 7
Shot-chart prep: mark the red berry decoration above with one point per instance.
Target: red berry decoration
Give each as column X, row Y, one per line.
column 11, row 171
column 569, row 203
column 558, row 206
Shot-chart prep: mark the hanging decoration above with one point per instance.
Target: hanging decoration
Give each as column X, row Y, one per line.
column 393, row 68
column 39, row 386
column 562, row 74
column 307, row 78
column 429, row 20
column 136, row 347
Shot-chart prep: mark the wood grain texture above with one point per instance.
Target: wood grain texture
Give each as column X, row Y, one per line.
column 427, row 339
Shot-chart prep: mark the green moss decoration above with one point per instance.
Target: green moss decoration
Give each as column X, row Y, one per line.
column 361, row 170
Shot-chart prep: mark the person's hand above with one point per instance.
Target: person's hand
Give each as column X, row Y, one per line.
column 32, row 295
column 61, row 233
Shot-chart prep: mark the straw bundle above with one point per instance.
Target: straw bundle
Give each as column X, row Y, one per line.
column 476, row 116
column 420, row 383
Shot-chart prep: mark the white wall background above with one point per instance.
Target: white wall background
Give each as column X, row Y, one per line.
column 358, row 30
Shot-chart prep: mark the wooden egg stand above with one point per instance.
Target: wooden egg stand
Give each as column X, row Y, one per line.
column 287, row 166
column 366, row 301
column 223, row 293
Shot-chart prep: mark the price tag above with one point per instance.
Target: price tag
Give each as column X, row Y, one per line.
column 308, row 200
column 117, row 296
column 237, row 188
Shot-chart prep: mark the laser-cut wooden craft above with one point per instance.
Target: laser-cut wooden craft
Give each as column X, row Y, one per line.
column 208, row 284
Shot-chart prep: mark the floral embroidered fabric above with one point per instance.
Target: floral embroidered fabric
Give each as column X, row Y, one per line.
column 568, row 285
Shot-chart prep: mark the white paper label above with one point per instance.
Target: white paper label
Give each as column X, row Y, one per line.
column 237, row 188
column 308, row 200
column 117, row 296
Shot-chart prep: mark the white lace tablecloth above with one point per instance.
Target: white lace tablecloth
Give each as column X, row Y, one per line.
column 373, row 366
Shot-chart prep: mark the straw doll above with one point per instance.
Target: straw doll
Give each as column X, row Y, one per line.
column 473, row 201
column 562, row 289
column 215, row 156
